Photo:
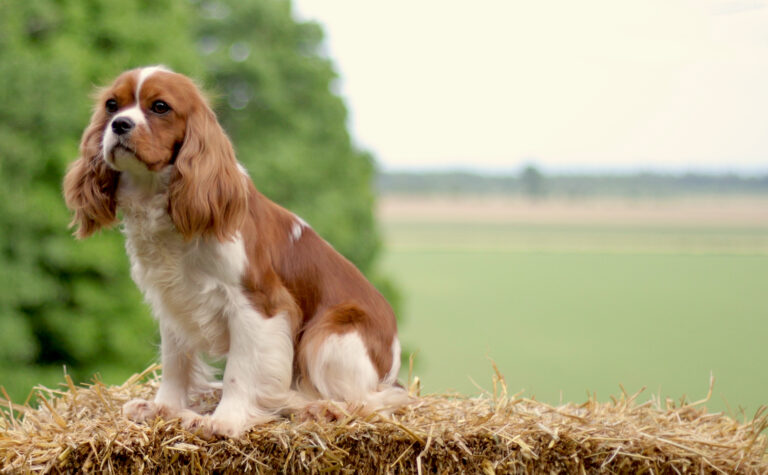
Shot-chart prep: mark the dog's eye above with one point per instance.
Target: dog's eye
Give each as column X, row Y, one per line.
column 160, row 107
column 111, row 106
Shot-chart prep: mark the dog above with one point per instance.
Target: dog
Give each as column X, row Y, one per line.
column 227, row 272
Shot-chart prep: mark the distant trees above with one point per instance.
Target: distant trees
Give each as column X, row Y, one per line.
column 533, row 183
column 72, row 303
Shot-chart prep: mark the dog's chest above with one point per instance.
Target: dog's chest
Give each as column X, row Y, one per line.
column 192, row 285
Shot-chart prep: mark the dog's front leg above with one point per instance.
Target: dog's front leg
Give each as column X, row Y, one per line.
column 258, row 374
column 171, row 398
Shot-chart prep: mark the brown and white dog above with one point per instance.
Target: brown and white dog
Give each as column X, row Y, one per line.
column 226, row 271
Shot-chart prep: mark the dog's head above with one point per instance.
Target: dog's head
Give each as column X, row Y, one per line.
column 152, row 122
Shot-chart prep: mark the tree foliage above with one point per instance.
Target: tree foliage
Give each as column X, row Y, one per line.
column 64, row 302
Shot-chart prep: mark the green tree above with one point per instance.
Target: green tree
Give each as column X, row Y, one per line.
column 64, row 302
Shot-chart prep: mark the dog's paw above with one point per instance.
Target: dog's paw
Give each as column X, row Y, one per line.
column 208, row 427
column 197, row 424
column 321, row 411
column 227, row 428
column 140, row 410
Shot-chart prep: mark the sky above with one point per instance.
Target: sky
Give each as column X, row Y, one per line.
column 600, row 85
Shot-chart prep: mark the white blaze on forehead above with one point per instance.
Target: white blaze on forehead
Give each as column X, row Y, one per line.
column 144, row 74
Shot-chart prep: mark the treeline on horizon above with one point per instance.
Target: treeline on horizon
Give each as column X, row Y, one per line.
column 532, row 182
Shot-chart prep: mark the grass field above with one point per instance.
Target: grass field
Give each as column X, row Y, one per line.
column 571, row 297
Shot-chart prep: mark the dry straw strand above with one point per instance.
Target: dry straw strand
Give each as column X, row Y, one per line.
column 79, row 428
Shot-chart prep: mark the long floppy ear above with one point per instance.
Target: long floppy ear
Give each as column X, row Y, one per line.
column 90, row 185
column 208, row 193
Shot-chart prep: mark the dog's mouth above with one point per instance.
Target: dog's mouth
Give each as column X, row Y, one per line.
column 122, row 148
column 117, row 155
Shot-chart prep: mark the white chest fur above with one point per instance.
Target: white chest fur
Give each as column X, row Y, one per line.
column 193, row 286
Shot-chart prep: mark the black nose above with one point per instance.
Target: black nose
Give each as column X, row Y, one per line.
column 122, row 125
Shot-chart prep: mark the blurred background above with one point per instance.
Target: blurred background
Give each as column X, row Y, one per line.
column 577, row 191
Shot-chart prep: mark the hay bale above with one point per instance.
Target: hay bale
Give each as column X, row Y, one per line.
column 80, row 429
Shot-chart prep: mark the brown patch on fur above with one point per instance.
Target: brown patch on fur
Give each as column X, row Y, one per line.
column 267, row 294
column 327, row 293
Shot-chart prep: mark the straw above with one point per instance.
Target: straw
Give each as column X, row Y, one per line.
column 80, row 429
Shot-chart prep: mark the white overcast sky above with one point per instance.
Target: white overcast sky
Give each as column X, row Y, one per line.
column 570, row 85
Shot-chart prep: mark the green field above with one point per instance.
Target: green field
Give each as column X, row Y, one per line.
column 566, row 309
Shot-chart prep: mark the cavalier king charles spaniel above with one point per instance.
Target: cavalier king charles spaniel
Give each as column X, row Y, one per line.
column 226, row 271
